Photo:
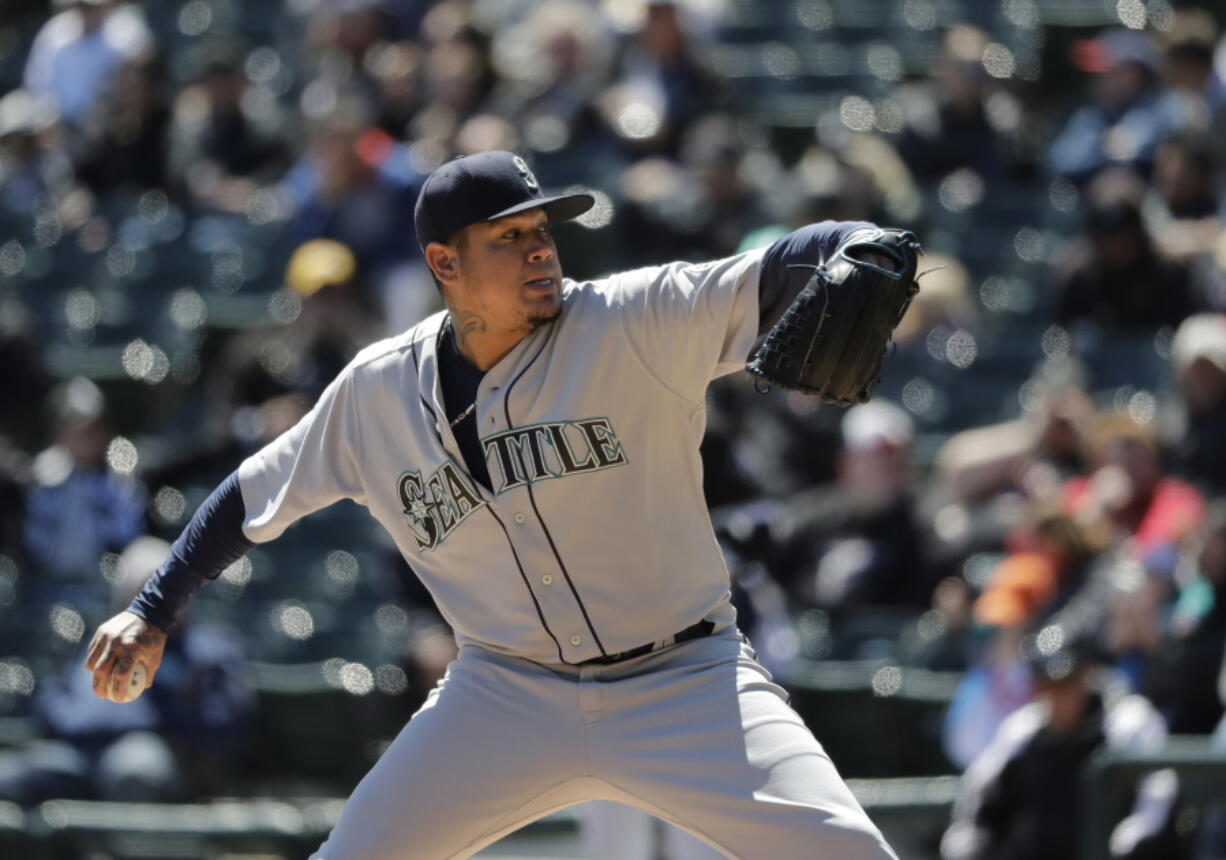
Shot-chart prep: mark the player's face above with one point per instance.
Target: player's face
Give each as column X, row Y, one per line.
column 509, row 272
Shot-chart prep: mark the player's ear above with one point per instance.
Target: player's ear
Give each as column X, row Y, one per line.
column 443, row 261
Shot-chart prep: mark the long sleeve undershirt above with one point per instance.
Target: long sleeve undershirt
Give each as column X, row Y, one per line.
column 788, row 264
column 212, row 541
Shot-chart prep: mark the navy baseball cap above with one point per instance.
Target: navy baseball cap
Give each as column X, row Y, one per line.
column 484, row 187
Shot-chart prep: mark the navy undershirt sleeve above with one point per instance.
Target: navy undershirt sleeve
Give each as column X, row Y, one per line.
column 778, row 284
column 212, row 541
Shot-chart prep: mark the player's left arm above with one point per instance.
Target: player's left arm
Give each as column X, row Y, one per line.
column 690, row 323
column 788, row 264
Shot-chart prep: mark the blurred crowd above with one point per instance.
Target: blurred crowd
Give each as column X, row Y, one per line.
column 205, row 211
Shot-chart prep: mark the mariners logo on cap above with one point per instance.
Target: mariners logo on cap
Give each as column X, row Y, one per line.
column 529, row 179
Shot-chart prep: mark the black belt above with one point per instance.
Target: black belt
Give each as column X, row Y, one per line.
column 694, row 631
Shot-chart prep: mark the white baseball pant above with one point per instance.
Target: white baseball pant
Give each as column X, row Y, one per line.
column 696, row 734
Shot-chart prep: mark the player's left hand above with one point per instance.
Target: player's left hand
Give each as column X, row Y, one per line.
column 832, row 340
column 881, row 261
column 121, row 643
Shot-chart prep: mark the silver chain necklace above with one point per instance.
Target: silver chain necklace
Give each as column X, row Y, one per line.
column 464, row 414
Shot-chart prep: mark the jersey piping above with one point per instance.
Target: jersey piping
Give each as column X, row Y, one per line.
column 417, row 373
column 524, row 577
column 506, row 406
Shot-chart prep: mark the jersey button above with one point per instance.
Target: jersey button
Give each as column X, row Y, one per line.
column 546, row 580
column 519, row 518
column 576, row 640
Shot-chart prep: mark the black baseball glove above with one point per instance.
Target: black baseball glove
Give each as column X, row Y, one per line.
column 833, row 338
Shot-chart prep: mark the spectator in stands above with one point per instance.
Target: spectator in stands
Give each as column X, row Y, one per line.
column 1022, row 798
column 222, row 149
column 181, row 738
column 268, row 378
column 1128, row 115
column 895, row 195
column 993, row 687
column 822, row 186
column 1184, row 682
column 1025, row 583
column 1198, row 356
column 123, row 141
column 1181, row 209
column 77, row 55
column 343, row 34
column 1063, row 574
column 947, row 121
column 457, row 74
column 660, row 83
column 1142, row 607
column 702, row 205
column 408, row 73
column 1029, row 457
column 551, row 66
column 33, row 164
column 989, row 477
column 358, row 186
column 730, row 202
column 1185, row 178
column 1128, row 493
column 1113, row 277
column 849, row 177
column 1188, row 48
column 80, row 505
column 483, row 132
column 859, row 543
column 458, row 78
column 396, row 70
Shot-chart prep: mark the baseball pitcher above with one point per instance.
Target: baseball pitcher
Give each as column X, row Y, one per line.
column 533, row 452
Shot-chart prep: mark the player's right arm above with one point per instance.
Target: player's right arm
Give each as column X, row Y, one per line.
column 308, row 467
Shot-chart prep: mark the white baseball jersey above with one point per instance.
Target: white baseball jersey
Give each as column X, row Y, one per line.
column 594, row 537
